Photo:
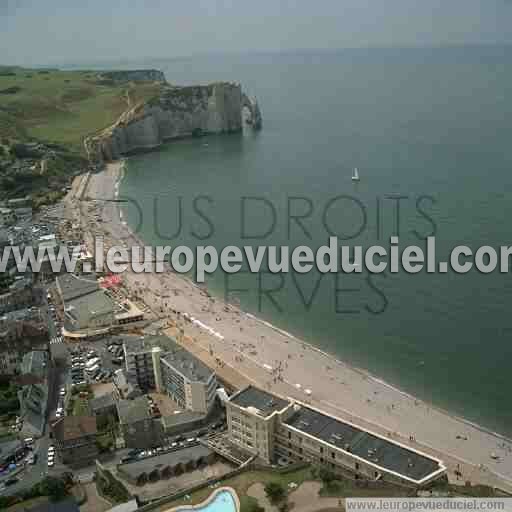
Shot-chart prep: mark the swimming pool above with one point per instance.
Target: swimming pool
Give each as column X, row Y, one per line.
column 224, row 499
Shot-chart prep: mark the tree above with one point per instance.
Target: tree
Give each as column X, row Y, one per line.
column 274, row 491
column 326, row 475
column 54, row 488
column 253, row 506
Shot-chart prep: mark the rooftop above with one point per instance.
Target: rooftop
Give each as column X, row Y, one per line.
column 132, row 411
column 126, row 384
column 35, row 363
column 173, row 355
column 83, row 309
column 102, row 401
column 182, row 418
column 145, row 344
column 74, row 427
column 374, row 449
column 172, row 459
column 262, row 402
column 72, row 287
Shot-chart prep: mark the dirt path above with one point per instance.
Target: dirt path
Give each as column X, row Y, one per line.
column 306, row 499
column 94, row 503
column 257, row 491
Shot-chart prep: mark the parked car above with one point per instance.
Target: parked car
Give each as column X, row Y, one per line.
column 11, row 481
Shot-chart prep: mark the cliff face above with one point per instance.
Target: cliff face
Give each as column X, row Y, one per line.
column 177, row 112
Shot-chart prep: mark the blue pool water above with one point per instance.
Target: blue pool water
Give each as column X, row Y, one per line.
column 223, row 502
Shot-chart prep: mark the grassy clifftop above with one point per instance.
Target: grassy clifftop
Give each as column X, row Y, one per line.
column 64, row 106
column 45, row 116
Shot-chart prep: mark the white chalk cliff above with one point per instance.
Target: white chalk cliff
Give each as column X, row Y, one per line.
column 176, row 113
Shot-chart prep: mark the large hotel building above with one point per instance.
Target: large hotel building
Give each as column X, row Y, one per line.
column 159, row 363
column 273, row 428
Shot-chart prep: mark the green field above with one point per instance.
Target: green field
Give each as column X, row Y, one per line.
column 63, row 106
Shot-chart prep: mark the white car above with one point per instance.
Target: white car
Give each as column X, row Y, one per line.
column 51, row 463
column 51, row 449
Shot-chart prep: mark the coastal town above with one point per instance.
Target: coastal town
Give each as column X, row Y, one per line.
column 127, row 391
column 144, row 391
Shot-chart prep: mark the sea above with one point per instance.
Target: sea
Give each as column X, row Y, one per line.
column 430, row 131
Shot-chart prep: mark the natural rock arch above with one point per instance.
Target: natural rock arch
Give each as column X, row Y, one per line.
column 251, row 104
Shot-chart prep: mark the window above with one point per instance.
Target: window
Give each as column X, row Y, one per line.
column 357, row 466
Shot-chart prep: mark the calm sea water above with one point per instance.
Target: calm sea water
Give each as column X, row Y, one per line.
column 431, row 127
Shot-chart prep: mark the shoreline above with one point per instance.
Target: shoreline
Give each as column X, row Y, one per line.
column 391, row 423
column 311, row 346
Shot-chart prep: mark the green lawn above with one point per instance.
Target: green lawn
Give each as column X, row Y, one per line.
column 80, row 406
column 63, row 106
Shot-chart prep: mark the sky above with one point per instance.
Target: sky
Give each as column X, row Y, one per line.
column 35, row 32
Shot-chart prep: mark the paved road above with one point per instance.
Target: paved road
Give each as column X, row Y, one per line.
column 33, row 474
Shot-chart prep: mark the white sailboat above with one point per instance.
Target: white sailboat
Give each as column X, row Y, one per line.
column 355, row 176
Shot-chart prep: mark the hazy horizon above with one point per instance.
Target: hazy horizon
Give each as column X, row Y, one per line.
column 63, row 33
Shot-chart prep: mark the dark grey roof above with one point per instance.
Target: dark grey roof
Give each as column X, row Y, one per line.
column 186, row 363
column 132, row 411
column 182, row 418
column 172, row 459
column 173, row 355
column 35, row 363
column 264, row 402
column 145, row 344
column 369, row 447
column 83, row 309
column 72, row 287
column 103, row 401
column 126, row 384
